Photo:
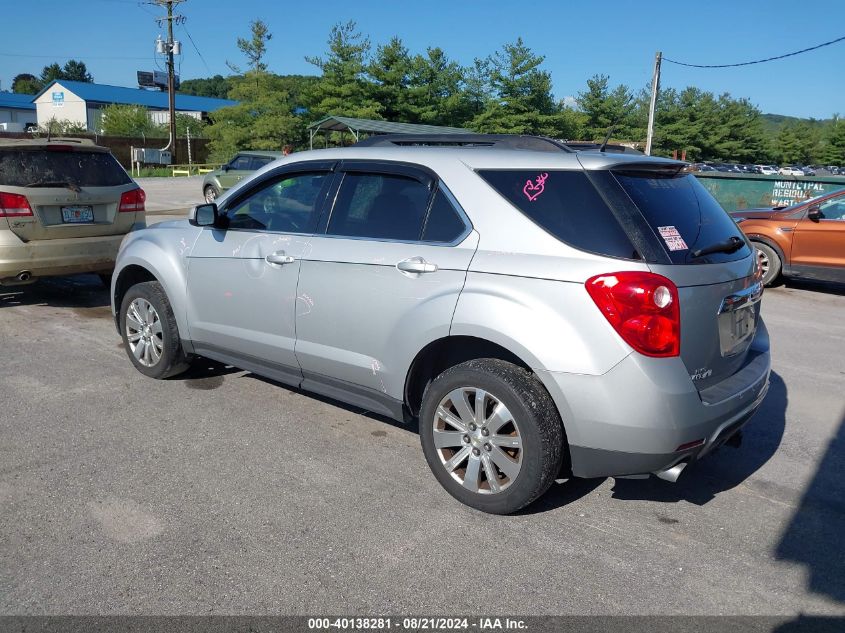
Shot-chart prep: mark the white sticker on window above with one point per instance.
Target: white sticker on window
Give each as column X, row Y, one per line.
column 673, row 239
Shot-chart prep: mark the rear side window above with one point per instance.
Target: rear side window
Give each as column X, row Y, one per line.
column 379, row 206
column 444, row 223
column 567, row 205
column 41, row 168
column 259, row 161
column 683, row 215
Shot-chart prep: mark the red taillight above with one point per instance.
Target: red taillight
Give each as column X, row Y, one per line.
column 642, row 308
column 132, row 201
column 13, row 205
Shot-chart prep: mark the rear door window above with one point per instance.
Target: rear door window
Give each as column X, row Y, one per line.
column 683, row 215
column 56, row 168
column 259, row 161
column 379, row 206
column 444, row 223
column 567, row 205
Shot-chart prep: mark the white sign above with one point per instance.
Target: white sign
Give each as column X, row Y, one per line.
column 673, row 238
column 58, row 99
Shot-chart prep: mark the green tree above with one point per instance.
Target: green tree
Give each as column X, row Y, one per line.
column 73, row 70
column 51, row 73
column 255, row 47
column 217, row 86
column 26, row 84
column 604, row 108
column 343, row 88
column 263, row 118
column 834, row 148
column 521, row 100
column 76, row 71
column 435, row 88
column 127, row 120
column 390, row 70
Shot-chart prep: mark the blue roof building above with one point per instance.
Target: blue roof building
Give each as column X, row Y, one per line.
column 16, row 111
column 81, row 102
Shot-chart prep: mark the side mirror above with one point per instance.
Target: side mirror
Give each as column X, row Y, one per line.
column 204, row 215
column 226, row 167
column 815, row 213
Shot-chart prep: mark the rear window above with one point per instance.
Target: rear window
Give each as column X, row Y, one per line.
column 567, row 205
column 682, row 214
column 41, row 168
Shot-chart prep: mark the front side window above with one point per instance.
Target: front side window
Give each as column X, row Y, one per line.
column 379, row 206
column 833, row 209
column 288, row 205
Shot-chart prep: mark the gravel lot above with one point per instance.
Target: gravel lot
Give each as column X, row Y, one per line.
column 224, row 493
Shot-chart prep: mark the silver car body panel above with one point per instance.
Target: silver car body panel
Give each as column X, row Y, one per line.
column 343, row 321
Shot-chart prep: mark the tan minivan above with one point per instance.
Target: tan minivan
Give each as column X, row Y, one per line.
column 65, row 205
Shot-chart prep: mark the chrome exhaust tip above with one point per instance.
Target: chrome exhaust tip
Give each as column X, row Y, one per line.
column 24, row 275
column 671, row 474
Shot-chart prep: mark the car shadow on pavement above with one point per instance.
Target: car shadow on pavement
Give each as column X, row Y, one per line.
column 814, row 536
column 83, row 292
column 727, row 467
column 827, row 287
column 205, row 374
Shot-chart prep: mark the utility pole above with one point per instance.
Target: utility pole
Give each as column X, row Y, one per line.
column 170, row 46
column 655, row 88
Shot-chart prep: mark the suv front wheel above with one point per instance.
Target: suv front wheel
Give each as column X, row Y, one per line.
column 149, row 331
column 491, row 435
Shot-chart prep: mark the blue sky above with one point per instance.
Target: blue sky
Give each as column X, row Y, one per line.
column 579, row 39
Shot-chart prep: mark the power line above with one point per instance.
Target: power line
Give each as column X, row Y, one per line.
column 185, row 28
column 756, row 61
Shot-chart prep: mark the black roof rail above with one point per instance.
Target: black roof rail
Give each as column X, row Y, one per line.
column 580, row 146
column 500, row 141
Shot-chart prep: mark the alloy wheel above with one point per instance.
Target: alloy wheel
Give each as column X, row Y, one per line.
column 764, row 262
column 477, row 440
column 144, row 332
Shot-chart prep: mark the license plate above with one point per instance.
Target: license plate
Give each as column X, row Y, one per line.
column 77, row 214
column 736, row 329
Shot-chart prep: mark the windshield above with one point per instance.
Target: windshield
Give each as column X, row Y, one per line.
column 684, row 216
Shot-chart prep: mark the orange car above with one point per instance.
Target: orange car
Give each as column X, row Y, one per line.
column 806, row 240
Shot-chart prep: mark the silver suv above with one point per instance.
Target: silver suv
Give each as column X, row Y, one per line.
column 543, row 312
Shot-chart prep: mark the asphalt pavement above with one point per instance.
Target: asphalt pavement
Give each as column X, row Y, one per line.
column 221, row 492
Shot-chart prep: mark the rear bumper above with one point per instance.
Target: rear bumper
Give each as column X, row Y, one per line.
column 633, row 419
column 44, row 258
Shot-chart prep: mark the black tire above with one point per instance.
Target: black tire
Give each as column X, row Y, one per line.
column 210, row 193
column 172, row 360
column 537, row 423
column 773, row 264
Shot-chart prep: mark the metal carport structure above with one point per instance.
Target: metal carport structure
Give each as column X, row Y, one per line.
column 367, row 126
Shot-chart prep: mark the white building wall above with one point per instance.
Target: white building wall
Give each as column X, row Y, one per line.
column 61, row 104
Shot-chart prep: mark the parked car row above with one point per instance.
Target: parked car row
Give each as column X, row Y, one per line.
column 766, row 170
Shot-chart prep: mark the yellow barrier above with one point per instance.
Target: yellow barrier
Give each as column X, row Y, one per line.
column 191, row 170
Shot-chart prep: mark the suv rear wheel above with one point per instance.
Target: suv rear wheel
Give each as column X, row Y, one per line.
column 149, row 331
column 491, row 435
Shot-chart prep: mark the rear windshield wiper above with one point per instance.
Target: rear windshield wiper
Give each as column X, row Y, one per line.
column 730, row 245
column 55, row 183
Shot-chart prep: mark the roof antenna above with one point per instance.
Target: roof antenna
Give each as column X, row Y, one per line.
column 625, row 109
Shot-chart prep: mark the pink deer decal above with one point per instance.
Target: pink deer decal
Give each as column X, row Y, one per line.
column 532, row 190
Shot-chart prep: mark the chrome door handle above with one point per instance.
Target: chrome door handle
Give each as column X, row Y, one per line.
column 280, row 258
column 416, row 265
